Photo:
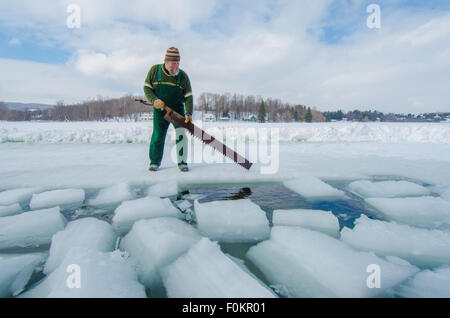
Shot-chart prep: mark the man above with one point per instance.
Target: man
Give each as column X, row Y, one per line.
column 167, row 84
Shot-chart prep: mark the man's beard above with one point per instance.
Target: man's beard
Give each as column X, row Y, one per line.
column 173, row 71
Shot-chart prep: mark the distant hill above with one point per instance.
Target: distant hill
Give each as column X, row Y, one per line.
column 25, row 106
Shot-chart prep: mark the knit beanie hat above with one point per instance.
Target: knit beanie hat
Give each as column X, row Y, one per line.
column 172, row 54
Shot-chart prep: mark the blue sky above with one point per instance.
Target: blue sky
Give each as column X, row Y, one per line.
column 318, row 53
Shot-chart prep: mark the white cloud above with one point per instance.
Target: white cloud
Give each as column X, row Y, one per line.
column 262, row 48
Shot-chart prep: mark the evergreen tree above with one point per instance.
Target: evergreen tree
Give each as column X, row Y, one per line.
column 308, row 117
column 262, row 113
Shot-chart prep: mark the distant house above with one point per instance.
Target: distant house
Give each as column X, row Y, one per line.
column 251, row 117
column 209, row 117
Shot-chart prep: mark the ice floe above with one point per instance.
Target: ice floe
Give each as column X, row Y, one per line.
column 64, row 198
column 312, row 188
column 387, row 189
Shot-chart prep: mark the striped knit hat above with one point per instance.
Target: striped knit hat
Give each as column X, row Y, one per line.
column 172, row 54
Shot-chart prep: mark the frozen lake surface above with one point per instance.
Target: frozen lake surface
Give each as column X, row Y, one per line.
column 330, row 177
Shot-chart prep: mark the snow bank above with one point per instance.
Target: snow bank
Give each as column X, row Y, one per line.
column 304, row 263
column 140, row 132
column 427, row 284
column 86, row 273
column 32, row 228
column 387, row 189
column 16, row 270
column 313, row 188
column 316, row 220
column 9, row 210
column 205, row 272
column 422, row 247
column 112, row 195
column 65, row 199
column 23, row 195
column 150, row 207
column 232, row 221
column 429, row 212
column 155, row 243
column 90, row 233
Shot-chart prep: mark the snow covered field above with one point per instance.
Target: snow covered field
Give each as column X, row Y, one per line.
column 399, row 172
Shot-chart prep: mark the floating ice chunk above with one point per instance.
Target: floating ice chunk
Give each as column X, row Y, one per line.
column 164, row 189
column 204, row 271
column 10, row 209
column 317, row 220
column 65, row 199
column 427, row 212
column 97, row 274
column 446, row 195
column 306, row 263
column 15, row 272
column 422, row 247
column 387, row 189
column 150, row 207
column 34, row 228
column 23, row 195
column 112, row 195
column 154, row 243
column 232, row 221
column 313, row 188
column 91, row 233
column 427, row 284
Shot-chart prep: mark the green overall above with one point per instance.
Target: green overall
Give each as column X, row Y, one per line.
column 172, row 95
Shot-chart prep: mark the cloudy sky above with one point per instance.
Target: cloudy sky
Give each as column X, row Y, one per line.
column 319, row 53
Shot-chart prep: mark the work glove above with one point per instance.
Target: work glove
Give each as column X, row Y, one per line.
column 159, row 104
column 188, row 118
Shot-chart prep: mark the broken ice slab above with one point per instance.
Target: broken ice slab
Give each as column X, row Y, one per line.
column 112, row 195
column 65, row 199
column 422, row 247
column 154, row 243
column 427, row 284
column 317, row 220
column 9, row 210
column 314, row 189
column 85, row 273
column 33, row 228
column 206, row 272
column 305, row 263
column 149, row 207
column 91, row 233
column 163, row 189
column 22, row 195
column 427, row 212
column 387, row 189
column 16, row 271
column 232, row 221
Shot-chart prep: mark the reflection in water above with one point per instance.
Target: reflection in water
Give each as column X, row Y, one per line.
column 243, row 193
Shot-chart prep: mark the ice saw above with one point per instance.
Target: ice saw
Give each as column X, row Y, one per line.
column 175, row 118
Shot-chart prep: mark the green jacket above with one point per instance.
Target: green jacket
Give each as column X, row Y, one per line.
column 152, row 77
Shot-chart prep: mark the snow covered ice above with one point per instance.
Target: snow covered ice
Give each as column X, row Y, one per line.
column 149, row 207
column 232, row 221
column 422, row 247
column 104, row 275
column 322, row 221
column 65, row 199
column 387, row 189
column 205, row 272
column 398, row 174
column 30, row 229
column 428, row 212
column 314, row 189
column 312, row 264
column 90, row 233
column 155, row 243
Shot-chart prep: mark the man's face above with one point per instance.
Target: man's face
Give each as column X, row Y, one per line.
column 172, row 67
